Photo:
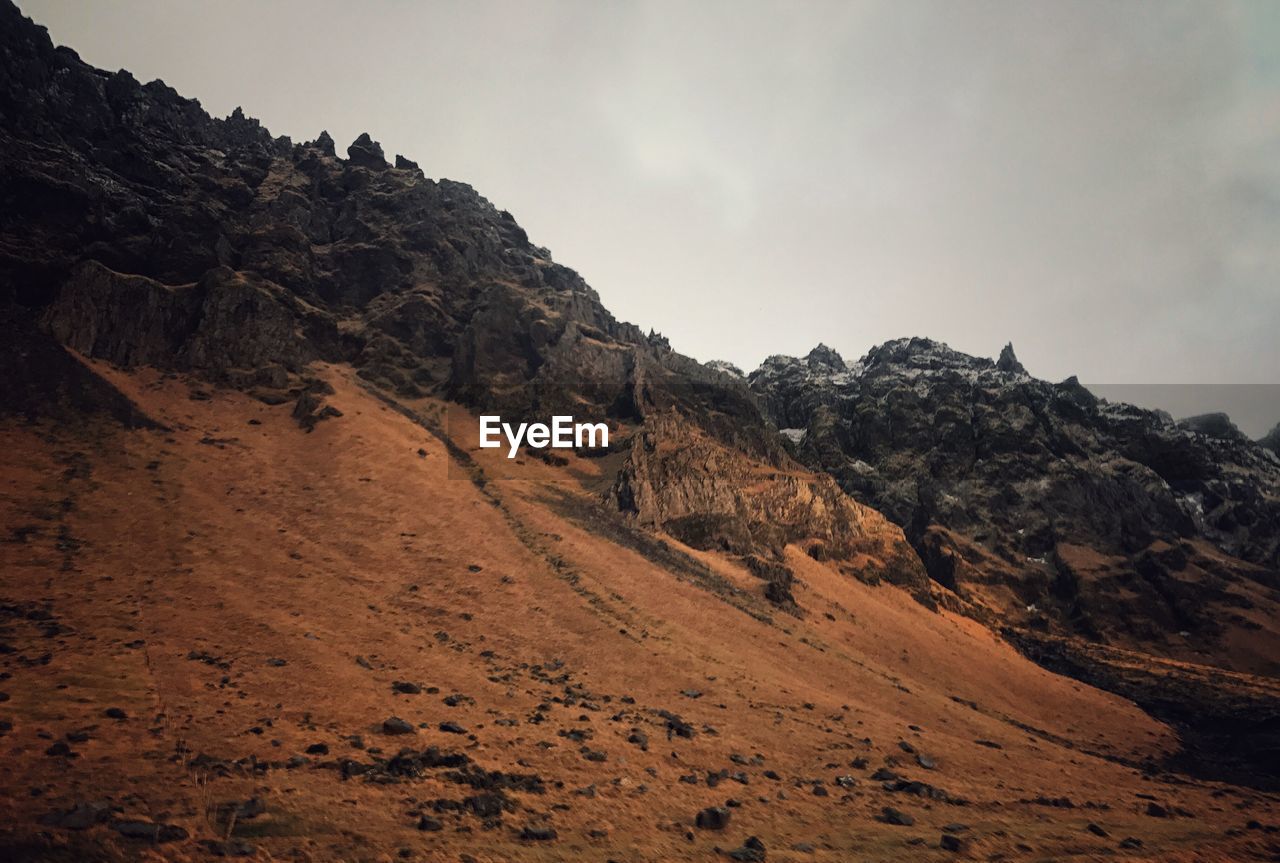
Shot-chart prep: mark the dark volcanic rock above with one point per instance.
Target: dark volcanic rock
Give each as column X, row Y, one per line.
column 1084, row 513
column 1217, row 425
column 889, row 815
column 751, row 851
column 366, row 153
column 713, row 818
column 396, row 725
column 1008, row 361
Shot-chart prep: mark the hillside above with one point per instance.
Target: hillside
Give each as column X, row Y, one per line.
column 263, row 596
column 249, row 597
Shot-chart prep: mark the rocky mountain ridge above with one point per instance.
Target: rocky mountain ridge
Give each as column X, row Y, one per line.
column 989, row 469
column 141, row 231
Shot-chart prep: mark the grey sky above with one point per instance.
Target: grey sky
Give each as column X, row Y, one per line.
column 1098, row 182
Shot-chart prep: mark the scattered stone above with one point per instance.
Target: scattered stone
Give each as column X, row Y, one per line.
column 318, row 749
column 752, row 851
column 926, row 762
column 452, row 728
column 712, row 818
column 404, row 687
column 951, row 842
column 431, row 825
column 82, row 816
column 228, row 848
column 1155, row 810
column 898, row 818
column 115, row 713
column 1097, row 831
column 538, row 834
column 675, row 725
column 396, row 725
column 150, row 831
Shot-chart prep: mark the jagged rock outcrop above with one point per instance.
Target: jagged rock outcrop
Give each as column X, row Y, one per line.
column 727, row 367
column 1217, row 425
column 229, row 325
column 679, row 479
column 1008, row 360
column 365, row 152
column 1036, row 500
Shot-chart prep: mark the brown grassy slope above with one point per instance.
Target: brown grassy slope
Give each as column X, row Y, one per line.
column 126, row 553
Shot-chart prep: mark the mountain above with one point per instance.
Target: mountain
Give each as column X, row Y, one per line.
column 262, row 594
column 1044, row 507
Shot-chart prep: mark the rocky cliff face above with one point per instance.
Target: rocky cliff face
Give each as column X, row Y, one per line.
column 141, row 231
column 1049, row 507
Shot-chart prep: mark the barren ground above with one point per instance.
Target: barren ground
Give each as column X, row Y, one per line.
column 243, row 591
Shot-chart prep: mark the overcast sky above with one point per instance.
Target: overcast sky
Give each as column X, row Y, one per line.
column 1097, row 182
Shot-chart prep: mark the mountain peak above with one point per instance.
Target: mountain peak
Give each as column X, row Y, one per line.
column 1008, row 361
column 823, row 356
column 1216, row 424
column 366, row 152
column 922, row 353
